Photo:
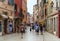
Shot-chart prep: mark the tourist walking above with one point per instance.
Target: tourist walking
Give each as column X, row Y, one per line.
column 41, row 28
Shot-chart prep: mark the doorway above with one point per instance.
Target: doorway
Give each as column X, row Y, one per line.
column 5, row 26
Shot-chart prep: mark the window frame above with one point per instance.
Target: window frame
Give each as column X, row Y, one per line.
column 11, row 3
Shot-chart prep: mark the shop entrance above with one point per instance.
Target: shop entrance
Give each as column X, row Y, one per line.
column 16, row 23
column 5, row 26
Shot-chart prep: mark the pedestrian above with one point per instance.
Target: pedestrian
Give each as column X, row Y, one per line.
column 44, row 26
column 41, row 28
column 25, row 25
column 37, row 29
column 22, row 30
column 30, row 27
column 18, row 28
column 33, row 26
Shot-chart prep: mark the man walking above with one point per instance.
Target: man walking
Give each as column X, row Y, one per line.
column 41, row 28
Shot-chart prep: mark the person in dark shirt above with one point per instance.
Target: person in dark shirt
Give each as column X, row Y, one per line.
column 44, row 26
column 41, row 29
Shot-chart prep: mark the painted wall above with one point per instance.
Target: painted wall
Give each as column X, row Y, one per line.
column 22, row 4
column 59, row 25
column 24, row 8
column 19, row 5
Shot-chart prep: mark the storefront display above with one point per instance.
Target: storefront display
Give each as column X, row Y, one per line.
column 10, row 27
column 52, row 24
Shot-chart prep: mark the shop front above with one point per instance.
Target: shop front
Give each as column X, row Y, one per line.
column 17, row 22
column 3, row 24
column 10, row 26
column 52, row 24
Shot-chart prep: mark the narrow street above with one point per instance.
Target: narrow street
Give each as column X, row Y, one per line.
column 29, row 20
column 29, row 36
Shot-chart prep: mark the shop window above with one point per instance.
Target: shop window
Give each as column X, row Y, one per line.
column 51, row 25
column 54, row 25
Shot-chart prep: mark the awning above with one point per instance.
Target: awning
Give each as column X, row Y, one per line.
column 11, row 17
column 4, row 16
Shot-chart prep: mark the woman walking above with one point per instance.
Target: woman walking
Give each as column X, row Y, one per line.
column 22, row 30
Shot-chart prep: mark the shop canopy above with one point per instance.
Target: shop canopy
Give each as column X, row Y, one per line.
column 4, row 16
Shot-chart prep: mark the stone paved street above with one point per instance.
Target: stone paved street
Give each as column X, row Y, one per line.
column 29, row 36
